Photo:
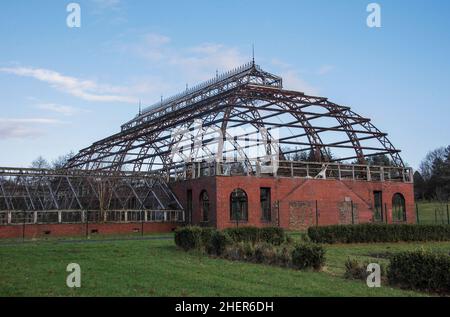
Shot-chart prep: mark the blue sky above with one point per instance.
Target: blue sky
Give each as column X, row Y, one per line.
column 64, row 88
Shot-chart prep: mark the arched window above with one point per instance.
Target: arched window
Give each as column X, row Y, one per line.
column 398, row 207
column 204, row 205
column 238, row 205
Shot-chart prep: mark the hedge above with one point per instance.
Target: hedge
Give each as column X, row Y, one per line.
column 308, row 255
column 268, row 245
column 218, row 243
column 188, row 238
column 378, row 233
column 272, row 235
column 194, row 237
column 421, row 270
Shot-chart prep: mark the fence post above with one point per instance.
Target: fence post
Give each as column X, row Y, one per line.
column 87, row 223
column 353, row 217
column 317, row 214
column 386, row 213
column 142, row 222
column 23, row 226
column 417, row 213
column 448, row 216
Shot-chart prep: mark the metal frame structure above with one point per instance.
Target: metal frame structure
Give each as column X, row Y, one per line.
column 65, row 196
column 247, row 99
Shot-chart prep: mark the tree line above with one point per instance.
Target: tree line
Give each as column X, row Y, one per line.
column 432, row 179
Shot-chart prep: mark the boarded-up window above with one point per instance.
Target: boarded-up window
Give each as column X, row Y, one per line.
column 301, row 214
column 348, row 212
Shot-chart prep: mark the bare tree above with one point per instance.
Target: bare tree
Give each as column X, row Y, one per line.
column 40, row 162
column 62, row 160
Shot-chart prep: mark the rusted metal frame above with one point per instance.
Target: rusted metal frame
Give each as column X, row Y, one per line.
column 74, row 193
column 18, row 184
column 172, row 118
column 312, row 136
column 367, row 155
column 385, row 141
column 31, row 173
column 323, row 129
column 331, row 146
column 258, row 125
column 146, row 156
column 293, row 124
column 68, row 200
column 198, row 115
column 183, row 100
column 281, row 109
column 137, row 197
column 163, row 206
column 38, row 195
column 52, row 196
column 311, row 115
column 339, row 110
column 25, row 183
column 162, row 126
column 350, row 133
column 144, row 149
column 280, row 125
column 151, row 144
column 168, row 152
column 5, row 196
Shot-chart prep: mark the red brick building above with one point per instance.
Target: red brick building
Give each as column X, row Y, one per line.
column 294, row 202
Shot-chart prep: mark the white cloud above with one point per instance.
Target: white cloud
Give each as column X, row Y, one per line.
column 84, row 89
column 193, row 64
column 29, row 120
column 60, row 109
column 197, row 63
column 24, row 127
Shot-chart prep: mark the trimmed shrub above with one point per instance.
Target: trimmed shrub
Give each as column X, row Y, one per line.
column 355, row 270
column 218, row 241
column 241, row 251
column 308, row 255
column 265, row 253
column 272, row 235
column 358, row 270
column 243, row 234
column 421, row 270
column 378, row 233
column 206, row 234
column 284, row 256
column 188, row 238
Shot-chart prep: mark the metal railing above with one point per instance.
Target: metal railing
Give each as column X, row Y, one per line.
column 82, row 216
column 302, row 169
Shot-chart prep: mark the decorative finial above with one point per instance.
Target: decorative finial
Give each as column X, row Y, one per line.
column 140, row 111
column 253, row 54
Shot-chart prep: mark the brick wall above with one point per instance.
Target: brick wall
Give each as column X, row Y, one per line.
column 294, row 200
column 48, row 230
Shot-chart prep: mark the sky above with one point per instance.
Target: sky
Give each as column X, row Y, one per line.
column 64, row 88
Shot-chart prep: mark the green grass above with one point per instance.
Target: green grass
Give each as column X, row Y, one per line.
column 158, row 268
column 431, row 212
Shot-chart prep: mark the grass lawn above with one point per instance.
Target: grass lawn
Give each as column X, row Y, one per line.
column 156, row 268
column 431, row 212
